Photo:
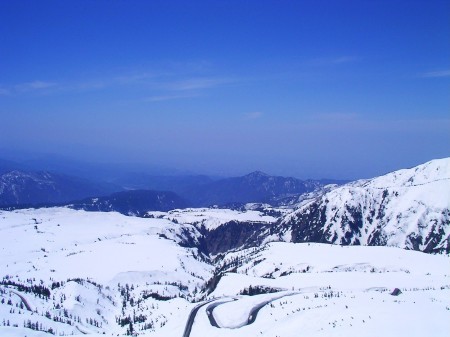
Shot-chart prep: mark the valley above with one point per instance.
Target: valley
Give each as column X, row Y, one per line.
column 220, row 271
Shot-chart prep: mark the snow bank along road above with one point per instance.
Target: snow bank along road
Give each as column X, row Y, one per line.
column 210, row 312
column 191, row 318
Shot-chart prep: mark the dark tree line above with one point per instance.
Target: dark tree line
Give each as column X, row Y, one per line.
column 38, row 290
column 257, row 290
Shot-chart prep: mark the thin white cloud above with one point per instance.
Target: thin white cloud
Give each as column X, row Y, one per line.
column 335, row 116
column 34, row 85
column 253, row 115
column 4, row 92
column 135, row 77
column 433, row 74
column 161, row 98
column 344, row 59
column 196, row 84
column 326, row 61
column 106, row 82
column 163, row 85
column 167, row 89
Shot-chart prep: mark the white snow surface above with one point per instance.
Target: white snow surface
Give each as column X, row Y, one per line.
column 91, row 254
column 400, row 207
column 105, row 247
column 212, row 218
column 104, row 268
column 330, row 290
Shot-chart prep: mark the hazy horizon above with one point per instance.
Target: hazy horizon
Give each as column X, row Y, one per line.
column 62, row 163
column 322, row 89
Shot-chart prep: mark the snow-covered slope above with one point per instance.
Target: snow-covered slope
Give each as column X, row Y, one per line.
column 211, row 218
column 329, row 290
column 408, row 208
column 70, row 272
column 224, row 229
column 94, row 272
column 65, row 272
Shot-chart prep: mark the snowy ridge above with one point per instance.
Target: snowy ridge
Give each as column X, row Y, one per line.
column 407, row 209
column 432, row 171
column 218, row 272
column 212, row 218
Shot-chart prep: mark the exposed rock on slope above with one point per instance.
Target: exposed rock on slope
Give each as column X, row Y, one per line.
column 408, row 208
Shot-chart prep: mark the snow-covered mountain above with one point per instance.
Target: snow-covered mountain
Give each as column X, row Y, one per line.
column 408, row 208
column 198, row 272
column 68, row 272
column 26, row 187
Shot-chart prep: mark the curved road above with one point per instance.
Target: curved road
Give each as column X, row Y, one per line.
column 23, row 299
column 190, row 321
column 252, row 315
column 210, row 312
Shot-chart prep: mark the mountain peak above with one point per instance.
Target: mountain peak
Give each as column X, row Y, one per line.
column 406, row 208
column 257, row 174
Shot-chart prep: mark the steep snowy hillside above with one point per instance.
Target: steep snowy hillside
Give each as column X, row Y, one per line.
column 408, row 208
column 225, row 229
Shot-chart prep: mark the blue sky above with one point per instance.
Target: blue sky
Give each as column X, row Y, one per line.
column 312, row 89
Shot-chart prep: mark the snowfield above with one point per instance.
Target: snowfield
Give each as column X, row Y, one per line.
column 104, row 270
column 93, row 263
column 328, row 290
column 105, row 247
column 212, row 218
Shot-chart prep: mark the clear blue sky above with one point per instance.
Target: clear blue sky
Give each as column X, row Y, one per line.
column 338, row 89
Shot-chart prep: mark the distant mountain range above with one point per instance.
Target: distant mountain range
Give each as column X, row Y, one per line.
column 24, row 187
column 31, row 188
column 408, row 208
column 201, row 190
column 136, row 202
column 69, row 270
column 253, row 187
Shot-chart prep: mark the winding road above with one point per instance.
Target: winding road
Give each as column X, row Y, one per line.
column 254, row 311
column 210, row 308
column 23, row 299
column 190, row 321
column 210, row 312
